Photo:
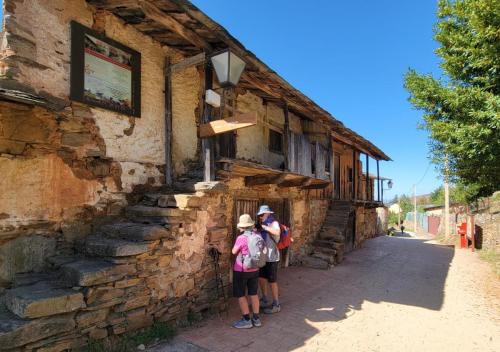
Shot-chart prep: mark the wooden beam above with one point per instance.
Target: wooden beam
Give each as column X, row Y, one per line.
column 297, row 182
column 235, row 122
column 315, row 186
column 378, row 182
column 367, row 181
column 207, row 149
column 168, row 124
column 190, row 61
column 286, row 136
column 264, row 179
column 156, row 14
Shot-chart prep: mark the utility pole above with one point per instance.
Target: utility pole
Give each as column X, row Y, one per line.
column 446, row 200
column 399, row 212
column 415, row 208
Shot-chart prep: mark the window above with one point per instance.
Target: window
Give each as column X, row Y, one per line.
column 275, row 141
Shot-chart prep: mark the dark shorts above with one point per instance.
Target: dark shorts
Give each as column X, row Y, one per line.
column 269, row 271
column 243, row 281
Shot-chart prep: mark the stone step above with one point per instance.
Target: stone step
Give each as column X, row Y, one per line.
column 329, row 244
column 315, row 263
column 326, row 257
column 331, row 236
column 323, row 243
column 325, row 250
column 16, row 332
column 145, row 211
column 90, row 271
column 336, row 220
column 181, row 201
column 42, row 299
column 25, row 279
column 113, row 247
column 135, row 232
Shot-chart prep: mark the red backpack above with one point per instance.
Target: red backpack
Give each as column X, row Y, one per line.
column 285, row 237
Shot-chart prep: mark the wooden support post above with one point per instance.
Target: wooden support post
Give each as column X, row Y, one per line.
column 367, row 181
column 286, row 136
column 378, row 182
column 206, row 143
column 354, row 162
column 168, row 123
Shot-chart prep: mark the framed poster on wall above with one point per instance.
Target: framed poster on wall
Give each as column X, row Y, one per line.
column 104, row 73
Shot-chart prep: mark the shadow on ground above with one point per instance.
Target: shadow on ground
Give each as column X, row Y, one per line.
column 387, row 269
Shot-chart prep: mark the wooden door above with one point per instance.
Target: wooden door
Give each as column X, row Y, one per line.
column 280, row 206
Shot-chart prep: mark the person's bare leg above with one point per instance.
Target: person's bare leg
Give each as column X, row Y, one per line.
column 274, row 290
column 255, row 304
column 242, row 301
column 263, row 286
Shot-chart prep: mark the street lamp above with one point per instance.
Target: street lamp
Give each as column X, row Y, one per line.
column 389, row 186
column 228, row 67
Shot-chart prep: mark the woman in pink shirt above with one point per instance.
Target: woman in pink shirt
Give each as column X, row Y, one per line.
column 245, row 278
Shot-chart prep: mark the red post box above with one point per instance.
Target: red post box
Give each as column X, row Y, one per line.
column 462, row 231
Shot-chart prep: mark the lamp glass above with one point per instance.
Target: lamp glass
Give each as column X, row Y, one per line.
column 389, row 184
column 236, row 67
column 220, row 62
column 228, row 68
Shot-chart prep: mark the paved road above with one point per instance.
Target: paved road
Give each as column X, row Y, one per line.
column 395, row 294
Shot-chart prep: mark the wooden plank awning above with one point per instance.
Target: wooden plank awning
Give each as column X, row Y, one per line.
column 257, row 174
column 238, row 121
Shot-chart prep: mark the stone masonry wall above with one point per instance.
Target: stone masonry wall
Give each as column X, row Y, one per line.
column 169, row 277
column 367, row 224
column 64, row 167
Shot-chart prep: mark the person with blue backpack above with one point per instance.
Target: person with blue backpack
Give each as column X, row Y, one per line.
column 270, row 231
column 251, row 255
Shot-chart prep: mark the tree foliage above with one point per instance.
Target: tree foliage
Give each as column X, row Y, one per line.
column 459, row 194
column 462, row 108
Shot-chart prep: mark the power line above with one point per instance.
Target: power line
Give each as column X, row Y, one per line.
column 425, row 174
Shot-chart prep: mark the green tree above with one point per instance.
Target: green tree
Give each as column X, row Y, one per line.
column 462, row 108
column 458, row 194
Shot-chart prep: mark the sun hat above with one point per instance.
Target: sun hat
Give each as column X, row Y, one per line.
column 245, row 221
column 263, row 209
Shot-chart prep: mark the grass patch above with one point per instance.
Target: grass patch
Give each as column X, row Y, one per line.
column 493, row 257
column 159, row 331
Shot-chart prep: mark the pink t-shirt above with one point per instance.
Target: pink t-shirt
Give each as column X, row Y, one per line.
column 242, row 245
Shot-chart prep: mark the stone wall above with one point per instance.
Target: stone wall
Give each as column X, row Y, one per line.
column 368, row 224
column 118, row 287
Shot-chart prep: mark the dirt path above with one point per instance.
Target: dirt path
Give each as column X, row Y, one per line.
column 395, row 294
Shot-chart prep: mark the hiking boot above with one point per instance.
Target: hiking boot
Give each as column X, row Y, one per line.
column 273, row 309
column 264, row 304
column 243, row 324
column 256, row 322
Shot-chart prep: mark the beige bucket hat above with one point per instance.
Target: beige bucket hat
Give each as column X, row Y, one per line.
column 245, row 221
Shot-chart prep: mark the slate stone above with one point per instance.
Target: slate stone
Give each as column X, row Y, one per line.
column 145, row 211
column 89, row 272
column 136, row 232
column 42, row 299
column 113, row 247
column 16, row 332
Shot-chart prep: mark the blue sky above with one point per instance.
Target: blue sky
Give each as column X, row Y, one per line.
column 349, row 57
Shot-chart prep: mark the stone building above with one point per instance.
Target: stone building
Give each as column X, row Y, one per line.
column 113, row 211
